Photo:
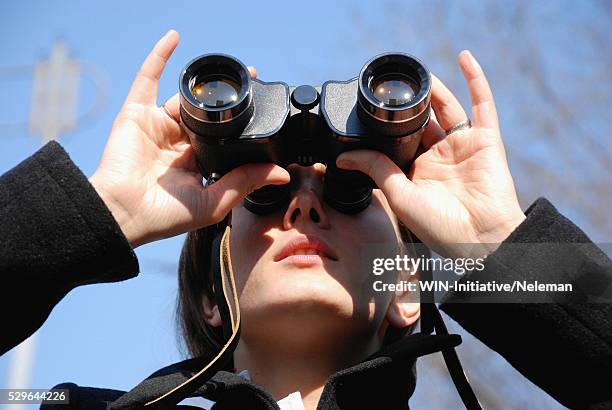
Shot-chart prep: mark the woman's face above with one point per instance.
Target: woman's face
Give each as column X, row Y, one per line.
column 311, row 266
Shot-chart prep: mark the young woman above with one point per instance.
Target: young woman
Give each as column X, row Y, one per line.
column 313, row 331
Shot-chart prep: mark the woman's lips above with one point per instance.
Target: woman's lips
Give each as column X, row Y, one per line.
column 305, row 250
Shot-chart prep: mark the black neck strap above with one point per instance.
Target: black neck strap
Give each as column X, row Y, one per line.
column 431, row 320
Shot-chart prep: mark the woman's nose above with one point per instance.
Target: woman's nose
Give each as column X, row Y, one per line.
column 305, row 207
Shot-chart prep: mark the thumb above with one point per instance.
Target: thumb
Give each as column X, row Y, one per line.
column 220, row 197
column 396, row 186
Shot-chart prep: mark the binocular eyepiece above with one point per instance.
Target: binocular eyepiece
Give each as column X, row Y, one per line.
column 232, row 120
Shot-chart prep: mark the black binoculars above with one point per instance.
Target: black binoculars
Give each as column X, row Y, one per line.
column 233, row 120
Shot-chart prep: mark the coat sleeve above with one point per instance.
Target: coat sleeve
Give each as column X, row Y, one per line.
column 56, row 233
column 564, row 343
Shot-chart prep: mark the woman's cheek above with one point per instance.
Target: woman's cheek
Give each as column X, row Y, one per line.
column 248, row 243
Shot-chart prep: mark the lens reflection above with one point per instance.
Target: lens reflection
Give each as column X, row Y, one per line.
column 394, row 89
column 216, row 91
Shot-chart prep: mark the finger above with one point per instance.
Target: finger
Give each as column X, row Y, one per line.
column 433, row 133
column 484, row 113
column 144, row 87
column 398, row 189
column 172, row 106
column 444, row 103
column 231, row 189
column 252, row 72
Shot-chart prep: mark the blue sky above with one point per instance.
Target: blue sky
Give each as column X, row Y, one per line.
column 107, row 326
column 115, row 335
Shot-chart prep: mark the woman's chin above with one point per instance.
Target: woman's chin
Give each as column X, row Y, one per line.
column 316, row 299
column 306, row 299
column 306, row 292
column 306, row 317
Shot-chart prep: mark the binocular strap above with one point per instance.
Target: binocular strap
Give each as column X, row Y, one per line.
column 455, row 369
column 432, row 321
column 224, row 285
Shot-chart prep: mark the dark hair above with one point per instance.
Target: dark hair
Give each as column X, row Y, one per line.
column 195, row 281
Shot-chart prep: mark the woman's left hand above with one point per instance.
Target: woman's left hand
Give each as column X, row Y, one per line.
column 460, row 189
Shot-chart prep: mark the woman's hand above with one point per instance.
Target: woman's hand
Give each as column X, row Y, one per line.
column 460, row 189
column 148, row 176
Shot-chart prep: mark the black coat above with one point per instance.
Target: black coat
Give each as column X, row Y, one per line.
column 57, row 234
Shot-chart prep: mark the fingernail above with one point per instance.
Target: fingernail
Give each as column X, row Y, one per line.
column 472, row 60
column 279, row 174
column 252, row 71
column 169, row 32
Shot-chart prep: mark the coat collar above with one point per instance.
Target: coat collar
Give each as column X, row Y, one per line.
column 388, row 377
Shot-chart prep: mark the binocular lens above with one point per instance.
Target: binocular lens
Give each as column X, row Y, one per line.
column 216, row 97
column 394, row 94
column 216, row 91
column 394, row 89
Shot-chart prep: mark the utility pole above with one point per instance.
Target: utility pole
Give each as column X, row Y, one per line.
column 54, row 99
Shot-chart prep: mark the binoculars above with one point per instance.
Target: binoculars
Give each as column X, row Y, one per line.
column 233, row 120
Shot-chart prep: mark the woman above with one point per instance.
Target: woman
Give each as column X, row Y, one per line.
column 313, row 332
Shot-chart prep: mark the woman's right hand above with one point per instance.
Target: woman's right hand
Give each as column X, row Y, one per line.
column 148, row 176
